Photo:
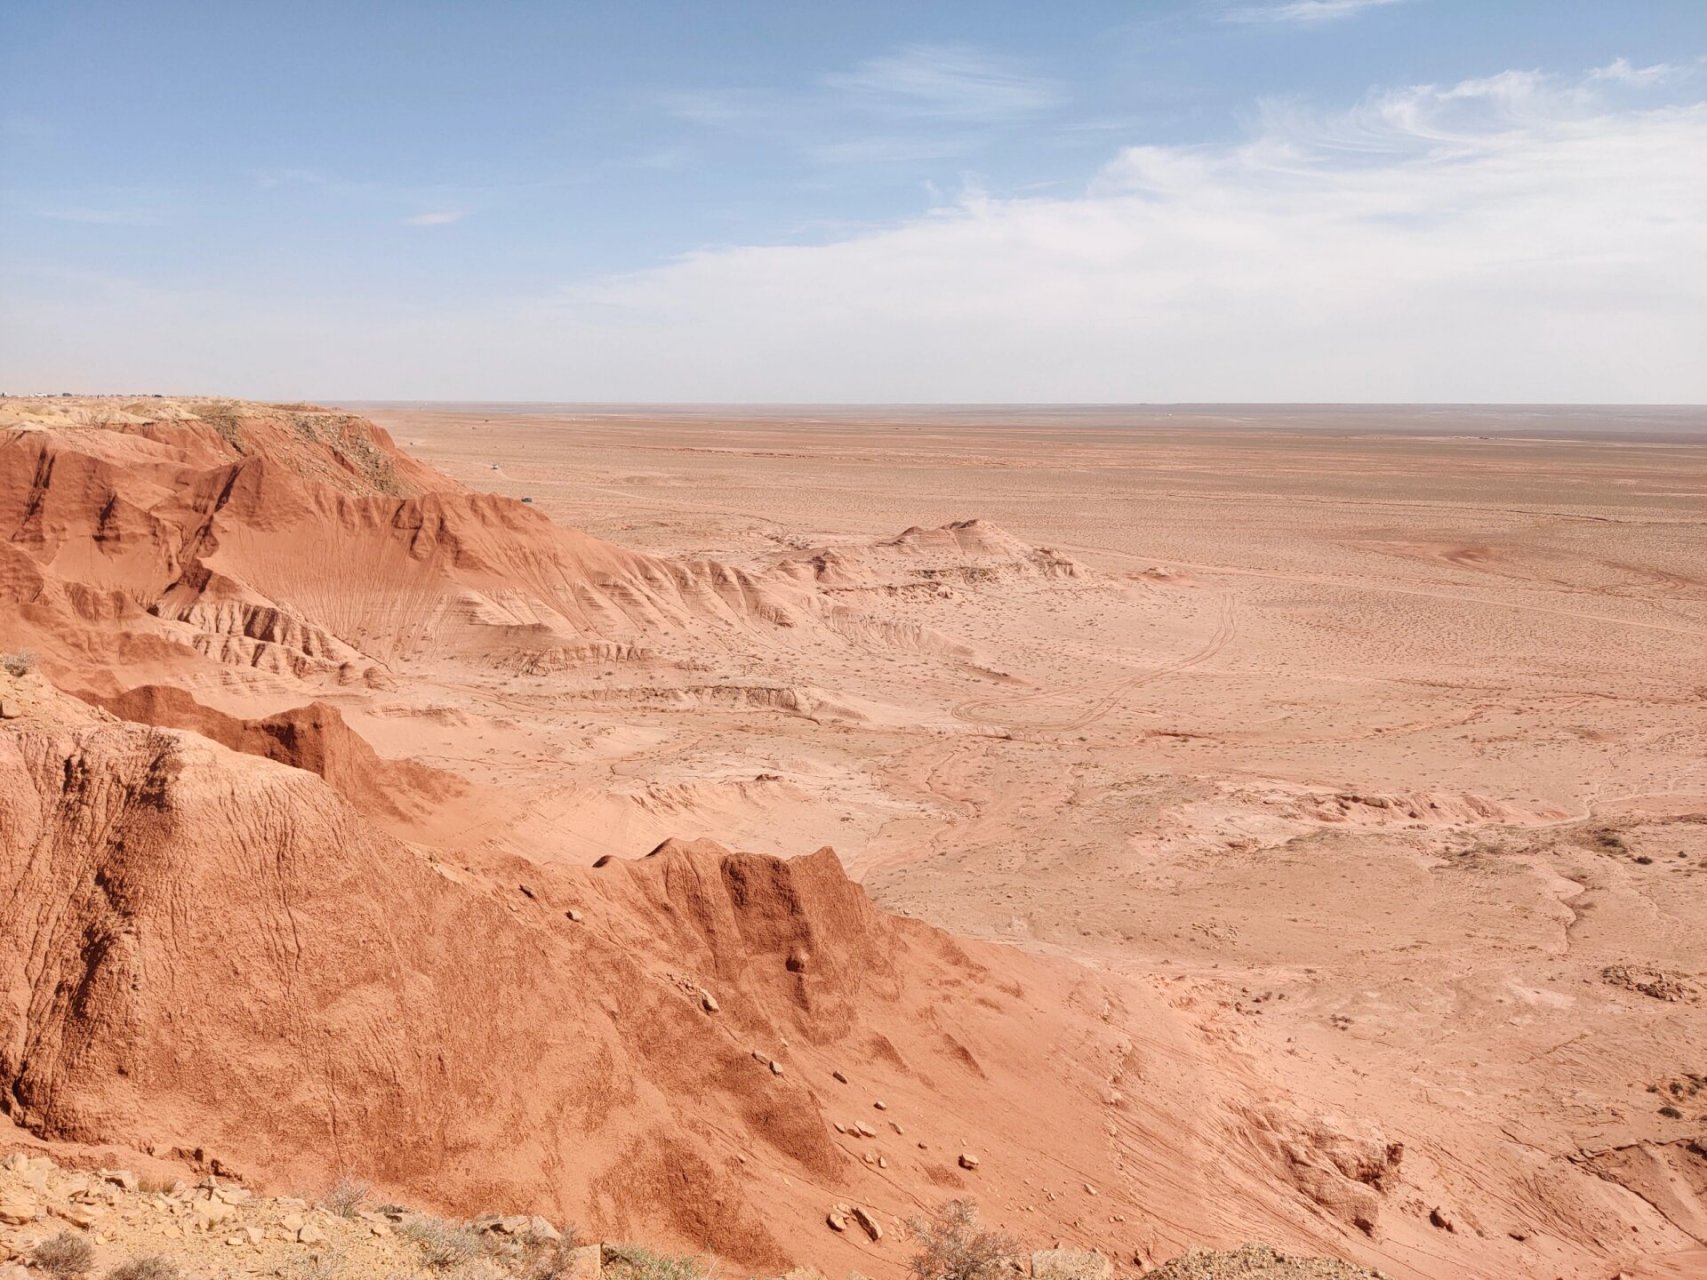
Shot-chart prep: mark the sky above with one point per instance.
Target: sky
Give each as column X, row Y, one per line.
column 989, row 201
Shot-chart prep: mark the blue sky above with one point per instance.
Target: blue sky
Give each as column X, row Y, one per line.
column 1186, row 199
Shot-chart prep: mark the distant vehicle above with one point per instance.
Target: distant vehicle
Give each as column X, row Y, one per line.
column 527, row 499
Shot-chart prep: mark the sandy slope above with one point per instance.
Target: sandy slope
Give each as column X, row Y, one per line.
column 1383, row 734
column 1362, row 771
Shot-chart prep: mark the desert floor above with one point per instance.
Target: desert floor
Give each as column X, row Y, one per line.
column 1381, row 734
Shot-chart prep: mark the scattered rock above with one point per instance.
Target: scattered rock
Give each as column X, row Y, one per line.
column 776, row 1067
column 1656, row 984
column 527, row 892
column 124, row 1179
column 837, row 1075
column 293, row 1222
column 310, row 1234
column 881, row 1105
column 837, row 1218
column 864, row 1130
column 1438, row 1217
column 968, row 1160
column 573, row 915
column 707, row 1001
column 18, row 1209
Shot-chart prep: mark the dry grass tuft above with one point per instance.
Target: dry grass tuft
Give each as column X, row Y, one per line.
column 952, row 1246
column 151, row 1268
column 67, row 1254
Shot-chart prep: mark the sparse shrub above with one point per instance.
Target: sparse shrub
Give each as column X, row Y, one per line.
column 20, row 663
column 631, row 1262
column 66, row 1254
column 150, row 1268
column 156, row 1183
column 546, row 1259
column 442, row 1244
column 347, row 1196
column 952, row 1246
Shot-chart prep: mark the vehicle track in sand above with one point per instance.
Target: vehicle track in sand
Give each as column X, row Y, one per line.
column 988, row 710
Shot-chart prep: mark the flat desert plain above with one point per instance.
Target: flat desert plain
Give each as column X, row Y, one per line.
column 1374, row 739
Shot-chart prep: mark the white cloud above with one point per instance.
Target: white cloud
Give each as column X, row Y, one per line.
column 1306, row 11
column 435, row 218
column 1513, row 237
column 1516, row 237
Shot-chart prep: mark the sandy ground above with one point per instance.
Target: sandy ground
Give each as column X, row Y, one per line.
column 1380, row 734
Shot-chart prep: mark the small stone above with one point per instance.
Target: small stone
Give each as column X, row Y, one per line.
column 310, row 1234
column 837, row 1221
column 254, row 1235
column 124, row 1179
column 838, row 1076
column 77, row 1215
column 867, row 1223
column 1438, row 1217
column 864, row 1130
column 776, row 1067
column 707, row 1001
column 840, row 1127
column 234, row 1241
column 881, row 1105
column 882, row 1163
column 968, row 1160
column 527, row 891
column 573, row 915
column 17, row 1209
column 898, row 1129
column 293, row 1222
column 1090, row 1190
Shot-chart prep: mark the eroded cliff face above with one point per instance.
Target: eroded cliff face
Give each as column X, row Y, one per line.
column 212, row 950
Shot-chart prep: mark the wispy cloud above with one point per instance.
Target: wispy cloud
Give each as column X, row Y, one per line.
column 1516, row 236
column 1306, row 12
column 435, row 218
column 945, row 82
column 920, row 102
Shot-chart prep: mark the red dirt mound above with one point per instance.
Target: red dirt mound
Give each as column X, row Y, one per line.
column 317, row 552
column 312, row 737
